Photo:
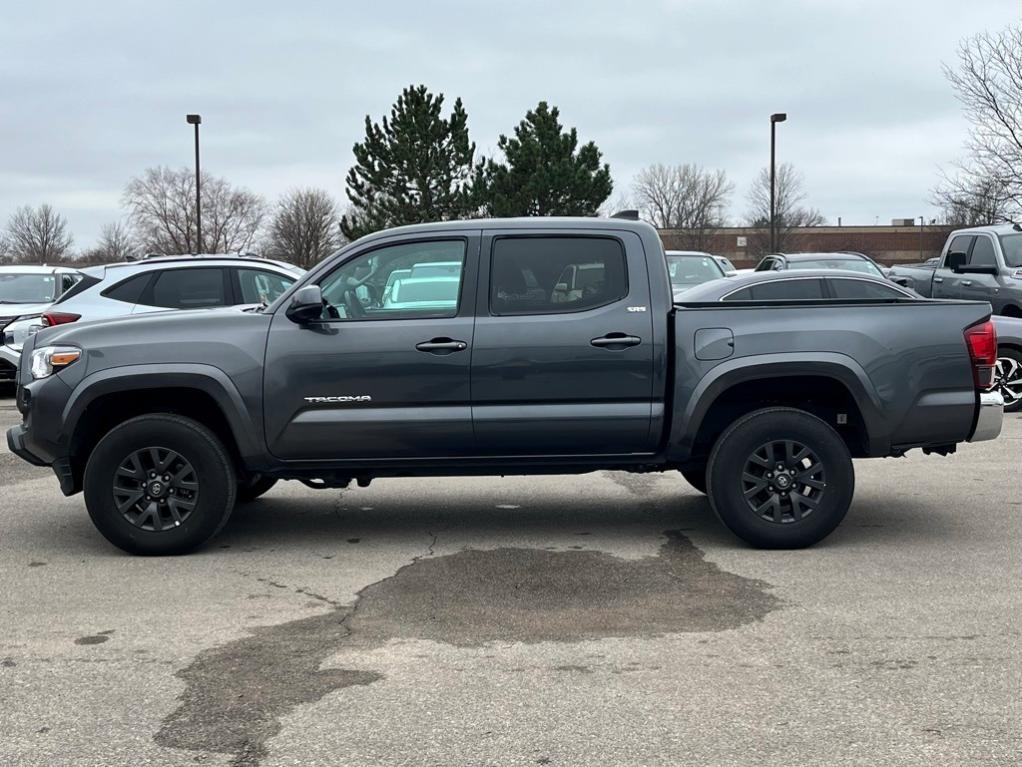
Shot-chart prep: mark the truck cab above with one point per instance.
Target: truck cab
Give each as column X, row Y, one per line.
column 982, row 264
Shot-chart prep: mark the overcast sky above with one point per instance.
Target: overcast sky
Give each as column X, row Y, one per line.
column 92, row 93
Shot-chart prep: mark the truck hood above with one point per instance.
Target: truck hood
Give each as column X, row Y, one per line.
column 188, row 323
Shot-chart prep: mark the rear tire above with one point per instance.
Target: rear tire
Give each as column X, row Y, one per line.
column 253, row 487
column 696, row 476
column 1009, row 379
column 159, row 484
column 780, row 478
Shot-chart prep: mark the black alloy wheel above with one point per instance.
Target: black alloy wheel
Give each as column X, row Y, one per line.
column 155, row 489
column 783, row 481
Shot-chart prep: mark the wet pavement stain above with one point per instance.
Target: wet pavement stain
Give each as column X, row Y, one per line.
column 237, row 693
column 94, row 639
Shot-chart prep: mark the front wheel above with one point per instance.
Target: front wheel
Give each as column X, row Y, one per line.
column 780, row 478
column 1008, row 379
column 695, row 476
column 159, row 484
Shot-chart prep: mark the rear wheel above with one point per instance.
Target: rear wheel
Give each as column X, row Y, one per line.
column 159, row 484
column 1008, row 379
column 780, row 478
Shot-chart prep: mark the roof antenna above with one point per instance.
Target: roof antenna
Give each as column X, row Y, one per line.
column 630, row 215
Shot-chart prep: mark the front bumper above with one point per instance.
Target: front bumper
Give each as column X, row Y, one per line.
column 991, row 415
column 16, row 443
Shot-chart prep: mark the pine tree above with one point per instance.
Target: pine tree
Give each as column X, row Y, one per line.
column 417, row 166
column 545, row 172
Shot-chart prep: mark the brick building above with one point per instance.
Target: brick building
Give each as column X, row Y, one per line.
column 886, row 244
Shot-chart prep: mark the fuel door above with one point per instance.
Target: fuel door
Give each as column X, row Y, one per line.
column 714, row 343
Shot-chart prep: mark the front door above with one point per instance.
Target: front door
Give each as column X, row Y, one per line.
column 563, row 356
column 946, row 283
column 981, row 287
column 385, row 373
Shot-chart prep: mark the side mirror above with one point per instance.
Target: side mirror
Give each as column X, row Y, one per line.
column 955, row 261
column 979, row 269
column 306, row 305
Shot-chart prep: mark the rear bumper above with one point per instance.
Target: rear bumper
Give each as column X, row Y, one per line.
column 991, row 414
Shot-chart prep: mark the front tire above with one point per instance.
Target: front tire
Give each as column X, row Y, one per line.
column 780, row 478
column 695, row 476
column 159, row 484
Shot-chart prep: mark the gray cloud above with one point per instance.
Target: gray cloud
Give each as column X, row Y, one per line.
column 94, row 93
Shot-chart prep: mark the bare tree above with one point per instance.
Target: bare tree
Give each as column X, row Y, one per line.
column 684, row 197
column 162, row 212
column 988, row 82
column 116, row 243
column 6, row 254
column 967, row 200
column 304, row 228
column 789, row 213
column 38, row 235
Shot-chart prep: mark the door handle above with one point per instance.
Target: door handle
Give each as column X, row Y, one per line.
column 616, row 340
column 441, row 346
column 938, row 279
column 966, row 283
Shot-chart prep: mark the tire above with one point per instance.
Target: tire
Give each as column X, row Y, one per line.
column 253, row 487
column 774, row 512
column 1009, row 378
column 191, row 499
column 695, row 476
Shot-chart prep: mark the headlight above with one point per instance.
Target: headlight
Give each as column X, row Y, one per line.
column 50, row 359
column 17, row 332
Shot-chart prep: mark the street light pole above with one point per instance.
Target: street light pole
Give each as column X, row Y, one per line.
column 196, row 120
column 779, row 117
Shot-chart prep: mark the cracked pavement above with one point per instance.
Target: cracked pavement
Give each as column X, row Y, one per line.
column 598, row 619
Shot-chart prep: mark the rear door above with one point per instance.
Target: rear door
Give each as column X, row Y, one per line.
column 947, row 284
column 563, row 355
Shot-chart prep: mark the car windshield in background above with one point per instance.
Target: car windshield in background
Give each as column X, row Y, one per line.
column 1011, row 244
column 687, row 271
column 847, row 264
column 26, row 288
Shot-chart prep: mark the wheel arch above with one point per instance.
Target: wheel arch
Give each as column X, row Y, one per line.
column 825, row 384
column 201, row 392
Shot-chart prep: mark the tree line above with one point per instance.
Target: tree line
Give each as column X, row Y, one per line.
column 419, row 164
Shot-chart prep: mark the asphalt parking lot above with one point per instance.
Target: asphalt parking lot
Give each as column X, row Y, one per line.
column 605, row 619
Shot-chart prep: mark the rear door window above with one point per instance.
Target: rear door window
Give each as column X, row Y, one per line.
column 188, row 289
column 554, row 275
column 129, row 290
column 780, row 290
column 863, row 289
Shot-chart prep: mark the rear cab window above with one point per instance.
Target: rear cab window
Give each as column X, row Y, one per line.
column 556, row 274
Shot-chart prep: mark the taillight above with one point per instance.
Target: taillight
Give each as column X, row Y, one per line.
column 982, row 342
column 59, row 318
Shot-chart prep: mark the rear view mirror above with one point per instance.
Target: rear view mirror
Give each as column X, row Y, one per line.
column 306, row 305
column 955, row 261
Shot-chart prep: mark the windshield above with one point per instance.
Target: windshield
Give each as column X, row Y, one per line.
column 687, row 271
column 847, row 264
column 1011, row 244
column 26, row 288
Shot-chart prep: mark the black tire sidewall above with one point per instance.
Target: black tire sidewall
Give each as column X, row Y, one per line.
column 195, row 443
column 727, row 462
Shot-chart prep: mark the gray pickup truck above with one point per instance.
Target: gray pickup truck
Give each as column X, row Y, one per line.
column 528, row 346
column 983, row 263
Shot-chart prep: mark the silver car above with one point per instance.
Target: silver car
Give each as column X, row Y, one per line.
column 25, row 293
column 157, row 284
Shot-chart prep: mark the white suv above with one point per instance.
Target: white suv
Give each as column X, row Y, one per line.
column 157, row 284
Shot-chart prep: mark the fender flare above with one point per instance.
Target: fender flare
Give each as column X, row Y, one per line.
column 689, row 416
column 209, row 379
